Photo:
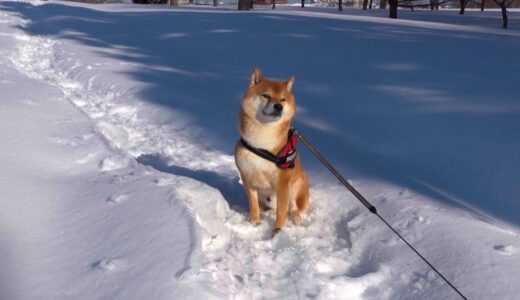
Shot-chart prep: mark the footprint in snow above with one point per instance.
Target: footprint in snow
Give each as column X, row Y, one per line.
column 417, row 218
column 63, row 141
column 117, row 199
column 31, row 102
column 85, row 137
column 79, row 139
column 122, row 178
column 107, row 265
column 164, row 181
column 89, row 157
column 114, row 163
column 382, row 199
column 505, row 249
column 420, row 281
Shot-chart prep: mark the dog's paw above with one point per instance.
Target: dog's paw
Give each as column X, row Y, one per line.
column 296, row 218
column 276, row 230
column 254, row 220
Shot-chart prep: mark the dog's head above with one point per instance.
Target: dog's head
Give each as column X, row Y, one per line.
column 269, row 101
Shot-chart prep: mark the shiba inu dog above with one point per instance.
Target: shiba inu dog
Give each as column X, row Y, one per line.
column 266, row 153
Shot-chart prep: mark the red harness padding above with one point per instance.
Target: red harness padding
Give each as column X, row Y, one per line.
column 285, row 157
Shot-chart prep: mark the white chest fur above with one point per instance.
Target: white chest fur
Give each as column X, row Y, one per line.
column 259, row 173
column 266, row 137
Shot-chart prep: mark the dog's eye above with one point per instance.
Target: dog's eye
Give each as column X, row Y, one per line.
column 266, row 96
column 282, row 100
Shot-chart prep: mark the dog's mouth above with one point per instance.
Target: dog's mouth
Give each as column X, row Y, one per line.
column 273, row 114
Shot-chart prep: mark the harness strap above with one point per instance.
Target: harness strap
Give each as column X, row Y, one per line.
column 282, row 160
column 265, row 154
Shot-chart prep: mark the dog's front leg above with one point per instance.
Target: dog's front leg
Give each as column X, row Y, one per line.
column 282, row 205
column 254, row 208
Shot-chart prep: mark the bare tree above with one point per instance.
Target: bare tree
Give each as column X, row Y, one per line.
column 410, row 4
column 273, row 4
column 482, row 3
column 382, row 4
column 365, row 4
column 463, row 4
column 340, row 5
column 245, row 4
column 504, row 4
column 434, row 4
column 393, row 9
column 303, row 3
column 370, row 4
column 215, row 3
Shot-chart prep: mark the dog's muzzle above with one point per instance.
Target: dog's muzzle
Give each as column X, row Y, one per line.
column 273, row 110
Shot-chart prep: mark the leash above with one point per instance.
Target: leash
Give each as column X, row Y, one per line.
column 367, row 204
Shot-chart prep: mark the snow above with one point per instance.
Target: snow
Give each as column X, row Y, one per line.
column 118, row 180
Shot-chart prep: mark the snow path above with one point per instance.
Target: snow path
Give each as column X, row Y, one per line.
column 109, row 106
column 340, row 252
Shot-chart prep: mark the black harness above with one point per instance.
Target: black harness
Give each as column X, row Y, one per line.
column 284, row 159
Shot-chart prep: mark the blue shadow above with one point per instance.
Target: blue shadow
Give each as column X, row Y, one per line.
column 433, row 110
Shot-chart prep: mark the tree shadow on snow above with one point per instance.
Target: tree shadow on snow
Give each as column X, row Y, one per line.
column 395, row 102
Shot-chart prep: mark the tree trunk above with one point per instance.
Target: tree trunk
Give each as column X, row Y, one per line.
column 482, row 3
column 340, row 5
column 174, row 2
column 462, row 6
column 365, row 4
column 245, row 4
column 370, row 5
column 432, row 5
column 273, row 3
column 303, row 3
column 382, row 4
column 215, row 3
column 393, row 9
column 437, row 4
column 504, row 14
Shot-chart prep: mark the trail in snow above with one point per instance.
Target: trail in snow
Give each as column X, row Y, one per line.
column 340, row 252
column 109, row 106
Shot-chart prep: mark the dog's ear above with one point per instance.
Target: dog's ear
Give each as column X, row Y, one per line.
column 256, row 77
column 290, row 83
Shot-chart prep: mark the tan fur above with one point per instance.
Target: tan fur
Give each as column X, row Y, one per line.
column 262, row 178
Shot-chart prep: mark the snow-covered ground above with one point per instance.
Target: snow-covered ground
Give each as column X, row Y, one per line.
column 118, row 181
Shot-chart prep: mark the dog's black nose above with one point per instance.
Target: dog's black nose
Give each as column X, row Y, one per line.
column 278, row 107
